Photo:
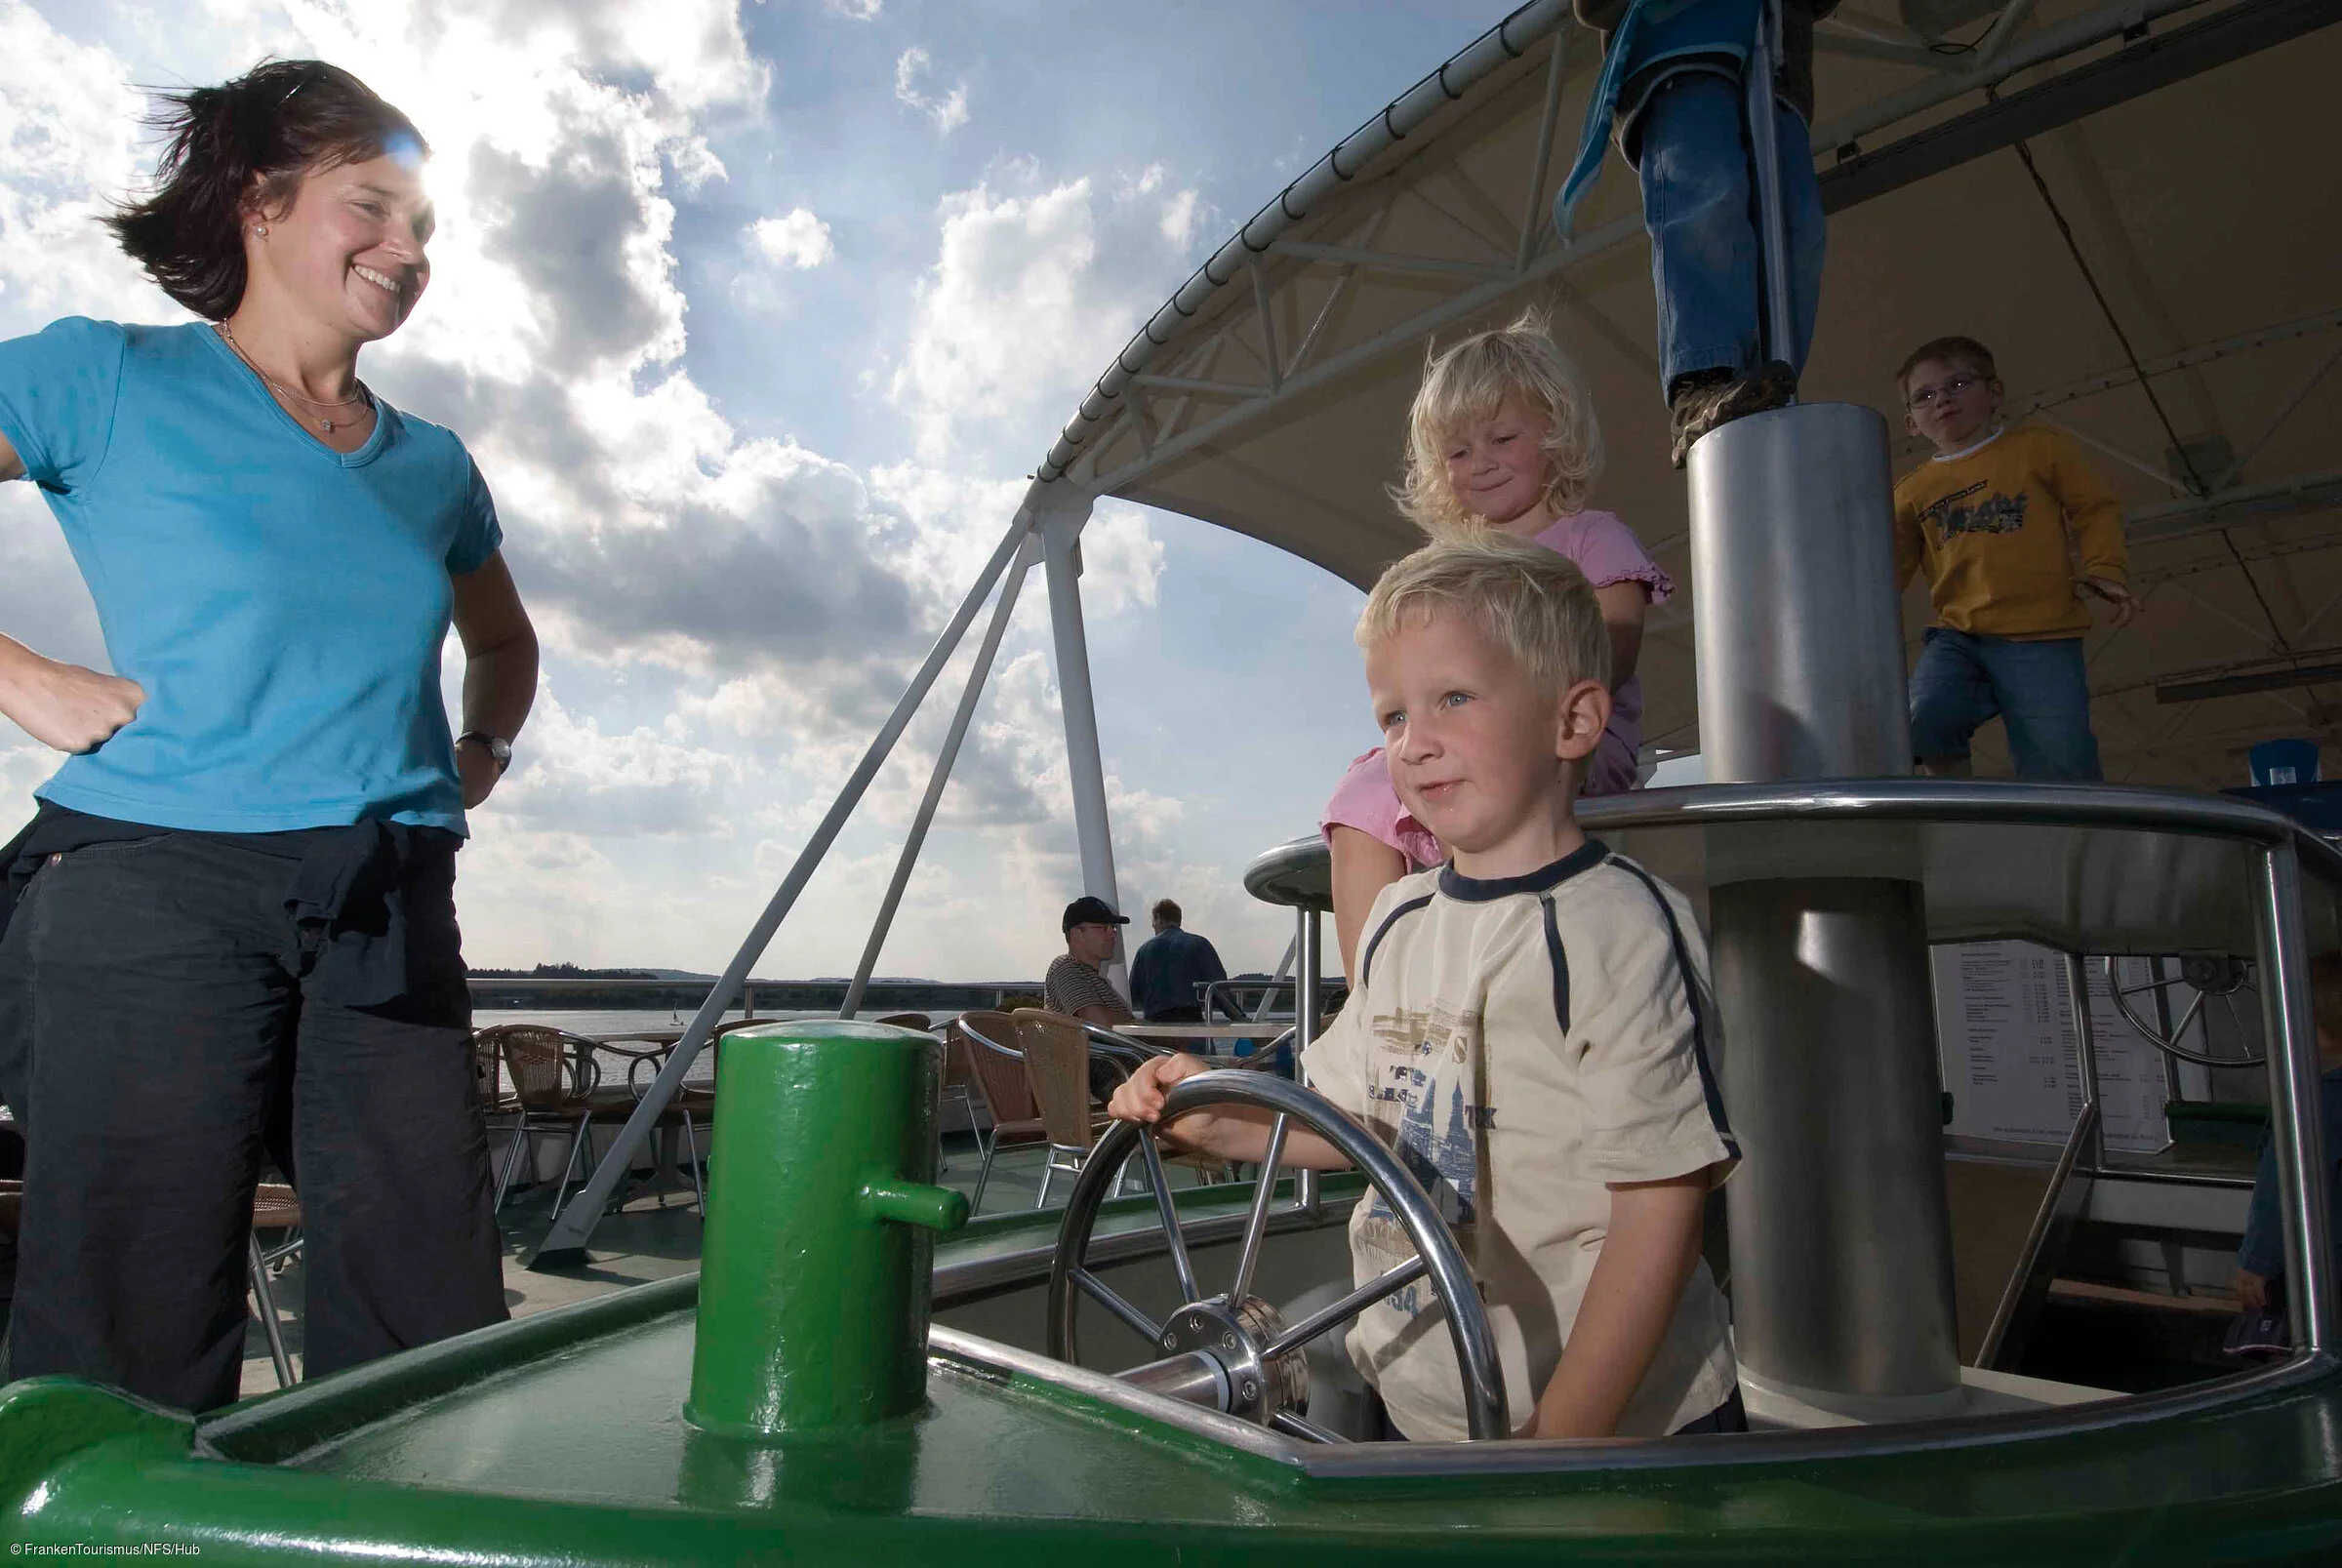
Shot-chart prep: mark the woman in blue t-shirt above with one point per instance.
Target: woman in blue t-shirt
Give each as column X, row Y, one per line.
column 230, row 928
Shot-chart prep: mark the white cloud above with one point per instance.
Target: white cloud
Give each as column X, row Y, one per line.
column 1033, row 290
column 69, row 141
column 948, row 111
column 856, row 9
column 795, row 239
column 571, row 777
column 1121, row 560
column 1180, row 214
column 24, row 765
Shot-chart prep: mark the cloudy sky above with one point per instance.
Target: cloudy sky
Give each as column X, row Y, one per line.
column 755, row 315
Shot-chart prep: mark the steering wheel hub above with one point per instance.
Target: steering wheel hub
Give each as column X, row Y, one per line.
column 1256, row 1389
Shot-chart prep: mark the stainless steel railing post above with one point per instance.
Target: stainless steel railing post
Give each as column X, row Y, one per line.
column 1305, row 962
column 2294, row 1104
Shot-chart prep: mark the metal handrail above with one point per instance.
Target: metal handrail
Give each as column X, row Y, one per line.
column 987, row 1041
column 1107, row 1042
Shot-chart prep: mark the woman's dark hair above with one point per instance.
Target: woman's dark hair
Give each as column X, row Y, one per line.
column 241, row 145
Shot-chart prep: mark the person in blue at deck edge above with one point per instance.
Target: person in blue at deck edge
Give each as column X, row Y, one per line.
column 232, row 921
column 2261, row 1256
column 1672, row 79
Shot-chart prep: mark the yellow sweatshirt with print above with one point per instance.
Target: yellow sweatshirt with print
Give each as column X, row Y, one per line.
column 2004, row 533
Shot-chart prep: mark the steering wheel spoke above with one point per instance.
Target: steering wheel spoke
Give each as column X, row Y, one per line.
column 1234, row 1352
column 1106, row 1296
column 1256, row 1227
column 1347, row 1307
column 1173, row 1237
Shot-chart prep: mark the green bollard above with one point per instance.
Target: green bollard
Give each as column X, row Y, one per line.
column 817, row 1256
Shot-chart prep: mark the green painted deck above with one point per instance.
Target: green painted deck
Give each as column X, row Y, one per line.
column 558, row 1438
column 655, row 1238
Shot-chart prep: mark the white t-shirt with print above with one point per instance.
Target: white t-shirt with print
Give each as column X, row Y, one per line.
column 1519, row 1043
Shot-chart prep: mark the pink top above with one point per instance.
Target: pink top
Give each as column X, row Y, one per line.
column 1607, row 551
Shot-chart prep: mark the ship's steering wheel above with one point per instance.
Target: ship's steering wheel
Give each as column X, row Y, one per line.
column 2220, row 975
column 1233, row 1351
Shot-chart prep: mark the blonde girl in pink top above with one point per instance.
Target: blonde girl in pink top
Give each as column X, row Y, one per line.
column 1502, row 436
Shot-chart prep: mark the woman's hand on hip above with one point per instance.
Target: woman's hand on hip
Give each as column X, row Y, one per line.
column 63, row 705
column 477, row 771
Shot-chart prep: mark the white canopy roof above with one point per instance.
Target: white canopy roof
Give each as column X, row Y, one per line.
column 1268, row 395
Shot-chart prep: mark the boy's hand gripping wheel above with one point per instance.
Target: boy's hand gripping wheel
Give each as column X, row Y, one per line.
column 1231, row 1352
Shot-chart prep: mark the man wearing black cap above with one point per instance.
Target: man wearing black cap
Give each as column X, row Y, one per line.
column 1073, row 985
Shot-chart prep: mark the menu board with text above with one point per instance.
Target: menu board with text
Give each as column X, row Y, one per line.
column 2006, row 1027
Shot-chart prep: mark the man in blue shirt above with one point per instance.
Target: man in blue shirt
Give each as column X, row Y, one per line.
column 1167, row 969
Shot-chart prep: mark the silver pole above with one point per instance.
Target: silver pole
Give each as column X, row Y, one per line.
column 944, row 757
column 564, row 1240
column 1841, row 1249
column 2293, row 1105
column 2085, row 1046
column 1796, row 629
column 1841, row 1222
column 1772, row 223
column 1307, row 939
column 1085, row 768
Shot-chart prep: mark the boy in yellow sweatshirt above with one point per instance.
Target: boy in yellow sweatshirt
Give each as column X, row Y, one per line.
column 2014, row 528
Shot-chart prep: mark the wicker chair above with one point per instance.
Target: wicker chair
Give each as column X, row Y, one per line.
column 994, row 1062
column 1057, row 1058
column 500, row 1107
column 557, row 1080
column 960, row 1083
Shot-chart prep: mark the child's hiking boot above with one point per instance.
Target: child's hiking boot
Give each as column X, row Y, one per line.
column 1703, row 399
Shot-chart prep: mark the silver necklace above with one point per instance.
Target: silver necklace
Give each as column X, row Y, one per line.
column 362, row 395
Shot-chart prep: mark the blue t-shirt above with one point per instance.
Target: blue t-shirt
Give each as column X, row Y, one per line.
column 282, row 604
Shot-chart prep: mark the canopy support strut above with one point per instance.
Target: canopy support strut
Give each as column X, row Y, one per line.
column 564, row 1242
column 916, row 839
column 1061, row 535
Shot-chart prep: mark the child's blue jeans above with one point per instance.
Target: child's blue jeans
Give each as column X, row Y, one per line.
column 2039, row 689
column 1700, row 206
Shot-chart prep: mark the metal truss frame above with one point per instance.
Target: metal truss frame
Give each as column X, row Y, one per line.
column 1244, row 283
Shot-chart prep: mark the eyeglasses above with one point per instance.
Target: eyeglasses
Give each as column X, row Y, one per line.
column 1929, row 396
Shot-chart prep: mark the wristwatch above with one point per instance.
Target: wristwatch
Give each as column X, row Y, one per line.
column 500, row 749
